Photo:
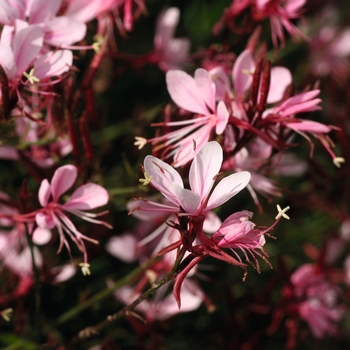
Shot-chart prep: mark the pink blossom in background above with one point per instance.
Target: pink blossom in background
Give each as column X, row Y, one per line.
column 317, row 300
column 88, row 196
column 329, row 53
column 169, row 52
column 280, row 12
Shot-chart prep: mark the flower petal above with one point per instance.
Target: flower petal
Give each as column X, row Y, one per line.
column 88, row 196
column 188, row 200
column 242, row 73
column 164, row 177
column 62, row 180
column 185, row 93
column 227, row 188
column 206, row 86
column 44, row 193
column 205, row 166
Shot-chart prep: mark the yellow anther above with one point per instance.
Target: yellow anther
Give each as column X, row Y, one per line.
column 31, row 77
column 85, row 268
column 140, row 142
column 337, row 161
column 6, row 314
column 147, row 180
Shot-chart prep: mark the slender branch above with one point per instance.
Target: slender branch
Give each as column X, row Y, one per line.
column 104, row 293
column 36, row 286
column 90, row 331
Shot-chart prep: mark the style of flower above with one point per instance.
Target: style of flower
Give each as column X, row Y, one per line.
column 196, row 95
column 88, row 196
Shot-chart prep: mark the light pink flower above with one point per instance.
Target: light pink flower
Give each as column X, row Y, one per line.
column 88, row 196
column 196, row 95
column 203, row 171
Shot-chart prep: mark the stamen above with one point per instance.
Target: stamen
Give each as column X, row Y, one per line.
column 140, row 142
column 147, row 180
column 31, row 78
column 337, row 161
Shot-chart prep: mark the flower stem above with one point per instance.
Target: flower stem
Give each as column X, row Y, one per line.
column 104, row 293
column 90, row 331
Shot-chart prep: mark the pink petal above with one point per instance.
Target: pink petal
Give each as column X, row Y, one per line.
column 205, row 167
column 45, row 221
column 44, row 193
column 7, row 61
column 188, row 200
column 166, row 25
column 292, row 6
column 64, row 273
column 206, row 87
column 64, row 31
column 41, row 236
column 222, row 83
column 62, row 180
column 281, row 78
column 10, row 10
column 211, row 222
column 123, row 247
column 242, row 73
column 184, row 92
column 310, row 126
column 222, row 115
column 164, row 177
column 84, row 11
column 88, row 196
column 53, row 64
column 43, row 10
column 227, row 188
column 298, row 99
column 26, row 45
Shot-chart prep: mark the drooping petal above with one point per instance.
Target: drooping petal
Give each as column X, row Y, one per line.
column 227, row 188
column 164, row 177
column 310, row 126
column 211, row 222
column 222, row 83
column 242, row 73
column 44, row 193
column 184, row 92
column 41, row 236
column 88, row 196
column 205, row 167
column 206, row 86
column 62, row 180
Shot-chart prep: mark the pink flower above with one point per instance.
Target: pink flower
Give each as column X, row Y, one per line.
column 317, row 300
column 169, row 52
column 88, row 196
column 196, row 95
column 280, row 13
column 203, row 171
column 237, row 232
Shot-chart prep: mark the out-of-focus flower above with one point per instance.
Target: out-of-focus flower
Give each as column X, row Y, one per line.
column 169, row 52
column 316, row 300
